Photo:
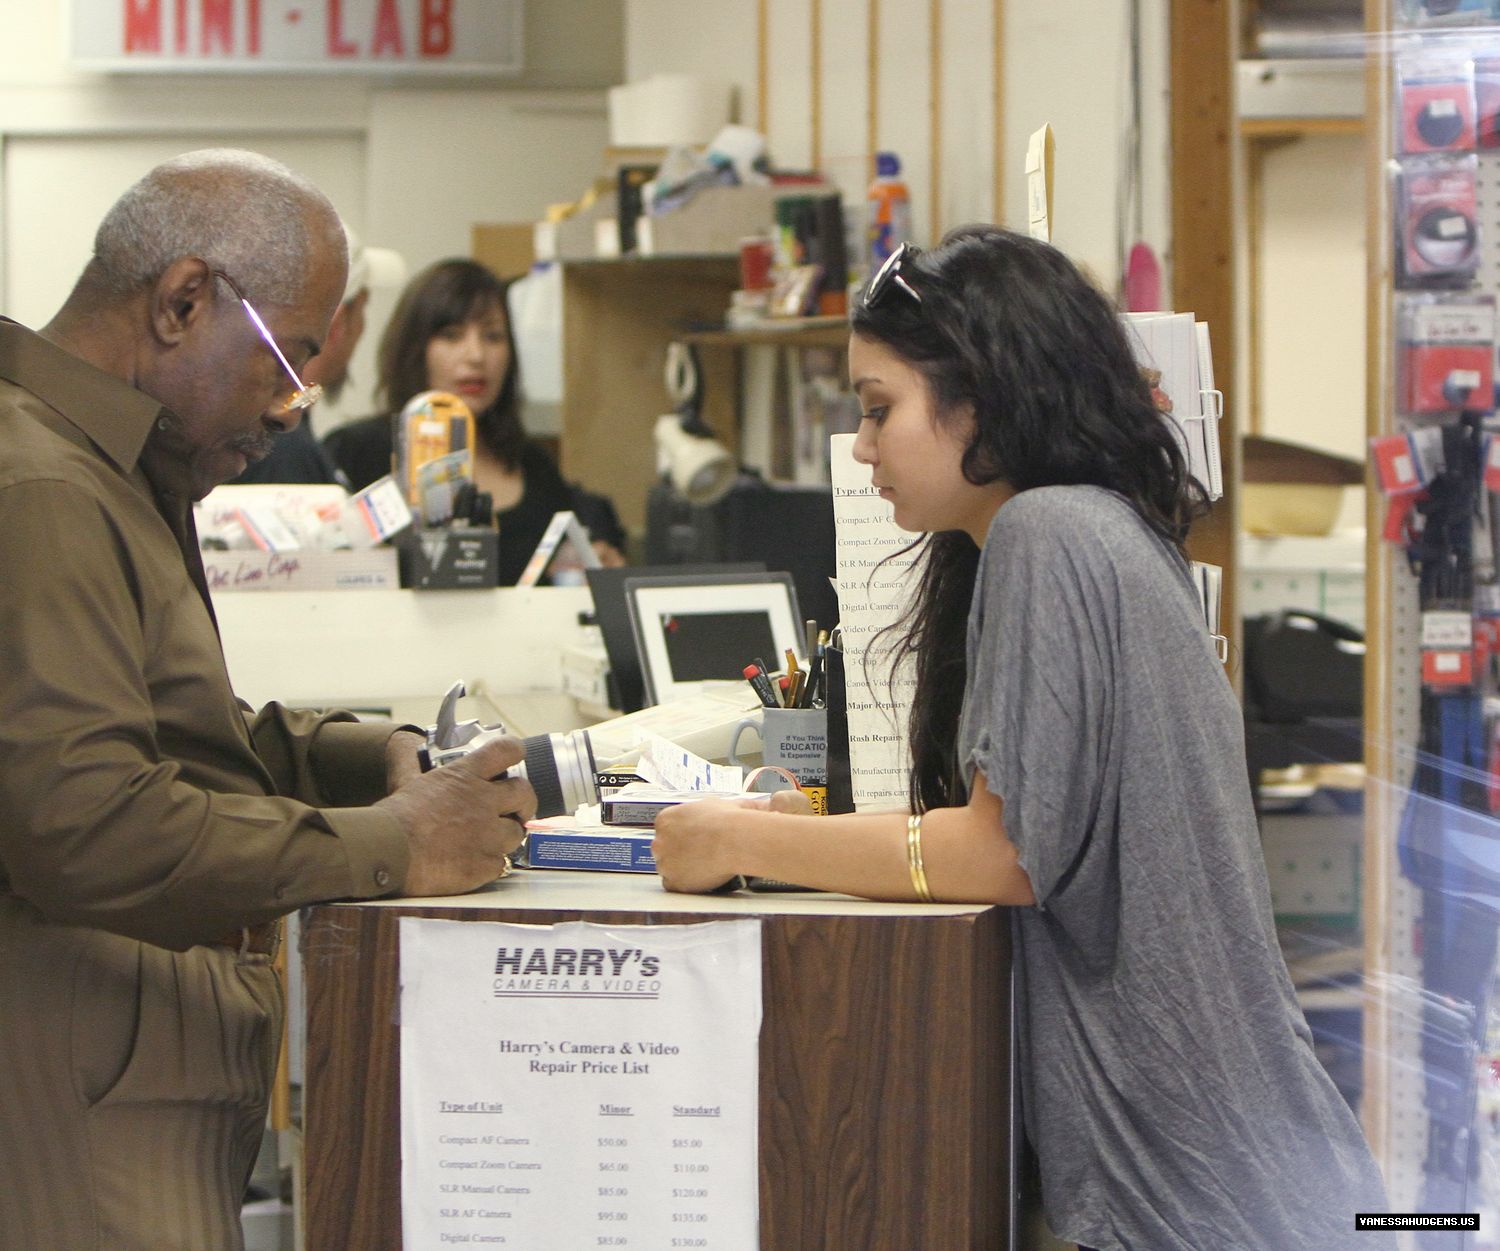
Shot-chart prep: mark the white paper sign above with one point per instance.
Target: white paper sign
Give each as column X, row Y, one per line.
column 876, row 585
column 580, row 1085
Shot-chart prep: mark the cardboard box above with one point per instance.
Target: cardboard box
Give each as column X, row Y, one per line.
column 602, row 851
column 307, row 569
column 713, row 221
column 576, row 237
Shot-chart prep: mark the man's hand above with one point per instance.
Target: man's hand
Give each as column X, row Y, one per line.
column 460, row 824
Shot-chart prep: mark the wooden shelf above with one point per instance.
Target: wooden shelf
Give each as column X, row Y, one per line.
column 800, row 332
column 618, row 317
column 1299, row 127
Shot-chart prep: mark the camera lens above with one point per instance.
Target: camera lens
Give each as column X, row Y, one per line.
column 560, row 768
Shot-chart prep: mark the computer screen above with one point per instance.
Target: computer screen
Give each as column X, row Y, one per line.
column 613, row 617
column 698, row 643
column 695, row 628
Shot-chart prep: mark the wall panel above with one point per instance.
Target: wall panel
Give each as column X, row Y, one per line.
column 789, row 110
column 902, row 105
column 966, row 86
column 714, row 38
column 1065, row 62
column 846, row 96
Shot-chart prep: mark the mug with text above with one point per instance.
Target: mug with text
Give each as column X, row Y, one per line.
column 794, row 739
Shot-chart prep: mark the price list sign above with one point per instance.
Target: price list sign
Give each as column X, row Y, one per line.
column 579, row 1086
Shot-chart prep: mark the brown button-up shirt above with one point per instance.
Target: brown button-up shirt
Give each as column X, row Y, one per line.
column 136, row 795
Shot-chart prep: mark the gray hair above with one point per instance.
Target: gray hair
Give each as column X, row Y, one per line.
column 241, row 212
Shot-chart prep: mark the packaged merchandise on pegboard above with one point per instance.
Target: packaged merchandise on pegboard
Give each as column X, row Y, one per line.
column 1445, row 354
column 1443, row 14
column 1437, row 462
column 1437, row 221
column 1435, row 103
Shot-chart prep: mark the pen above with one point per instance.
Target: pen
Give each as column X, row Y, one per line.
column 761, row 684
column 815, row 673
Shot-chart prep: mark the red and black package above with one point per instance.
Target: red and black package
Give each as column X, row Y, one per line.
column 1437, row 222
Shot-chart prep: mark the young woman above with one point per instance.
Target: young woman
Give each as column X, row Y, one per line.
column 1078, row 754
column 451, row 332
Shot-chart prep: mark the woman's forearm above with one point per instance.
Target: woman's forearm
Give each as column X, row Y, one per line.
column 965, row 854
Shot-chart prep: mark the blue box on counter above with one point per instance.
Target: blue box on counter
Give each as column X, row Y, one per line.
column 603, row 851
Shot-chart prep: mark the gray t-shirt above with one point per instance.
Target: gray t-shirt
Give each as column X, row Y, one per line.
column 1168, row 1080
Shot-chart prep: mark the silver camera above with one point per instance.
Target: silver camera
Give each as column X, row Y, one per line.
column 560, row 767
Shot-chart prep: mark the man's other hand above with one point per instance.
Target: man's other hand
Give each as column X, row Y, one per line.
column 462, row 820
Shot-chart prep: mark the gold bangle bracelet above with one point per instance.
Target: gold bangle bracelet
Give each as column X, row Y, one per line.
column 914, row 858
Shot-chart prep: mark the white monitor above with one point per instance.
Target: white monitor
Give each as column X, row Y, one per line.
column 696, row 628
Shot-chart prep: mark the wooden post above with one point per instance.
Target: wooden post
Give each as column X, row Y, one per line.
column 1204, row 54
column 997, row 103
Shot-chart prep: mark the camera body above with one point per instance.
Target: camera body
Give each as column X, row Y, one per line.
column 560, row 767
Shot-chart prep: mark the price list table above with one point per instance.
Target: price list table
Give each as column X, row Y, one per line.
column 851, row 1092
column 668, row 1201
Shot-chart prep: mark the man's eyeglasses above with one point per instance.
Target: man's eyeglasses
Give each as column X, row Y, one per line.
column 303, row 396
column 888, row 277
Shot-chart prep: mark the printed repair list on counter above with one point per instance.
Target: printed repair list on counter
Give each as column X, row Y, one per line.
column 877, row 580
column 580, row 1086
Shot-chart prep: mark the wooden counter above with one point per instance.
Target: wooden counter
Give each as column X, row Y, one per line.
column 885, row 1075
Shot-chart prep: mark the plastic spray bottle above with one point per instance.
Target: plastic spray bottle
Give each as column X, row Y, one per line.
column 889, row 209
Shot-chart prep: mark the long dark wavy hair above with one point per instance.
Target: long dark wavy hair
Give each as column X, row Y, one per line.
column 1008, row 325
column 442, row 295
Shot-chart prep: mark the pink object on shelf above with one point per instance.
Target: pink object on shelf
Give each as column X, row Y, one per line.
column 1142, row 280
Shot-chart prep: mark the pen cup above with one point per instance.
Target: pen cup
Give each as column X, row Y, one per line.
column 794, row 739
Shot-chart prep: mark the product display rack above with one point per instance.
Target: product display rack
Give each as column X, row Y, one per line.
column 1395, row 1100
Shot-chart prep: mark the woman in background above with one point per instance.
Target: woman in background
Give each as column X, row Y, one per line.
column 1078, row 755
column 451, row 332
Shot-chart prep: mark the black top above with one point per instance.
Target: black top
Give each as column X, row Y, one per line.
column 363, row 450
column 294, row 457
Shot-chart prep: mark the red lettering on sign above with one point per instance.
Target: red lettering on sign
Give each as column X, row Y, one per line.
column 437, row 27
column 142, row 25
column 252, row 27
column 182, row 26
column 387, row 31
column 337, row 44
column 218, row 26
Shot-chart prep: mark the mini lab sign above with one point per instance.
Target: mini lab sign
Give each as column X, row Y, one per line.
column 402, row 37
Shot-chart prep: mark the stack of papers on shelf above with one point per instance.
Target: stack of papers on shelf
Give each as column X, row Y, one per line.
column 1176, row 348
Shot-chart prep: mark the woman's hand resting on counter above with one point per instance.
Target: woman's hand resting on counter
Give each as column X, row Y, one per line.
column 699, row 845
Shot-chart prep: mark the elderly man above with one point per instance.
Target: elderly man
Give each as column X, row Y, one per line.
column 151, row 831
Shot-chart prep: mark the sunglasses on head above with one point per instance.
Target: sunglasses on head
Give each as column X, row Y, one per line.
column 888, row 277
